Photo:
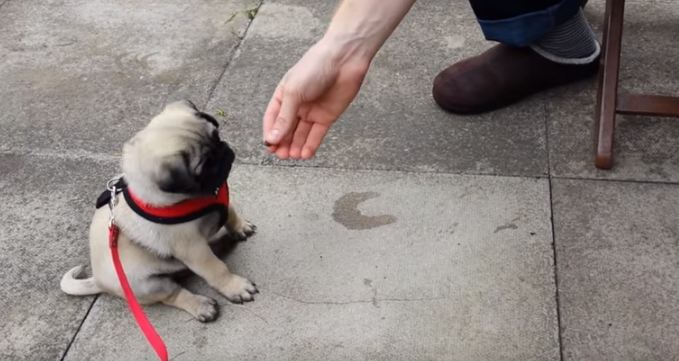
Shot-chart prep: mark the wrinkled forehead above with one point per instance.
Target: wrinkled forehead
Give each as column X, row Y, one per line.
column 207, row 117
column 184, row 114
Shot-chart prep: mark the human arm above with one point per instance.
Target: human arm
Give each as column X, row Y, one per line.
column 318, row 89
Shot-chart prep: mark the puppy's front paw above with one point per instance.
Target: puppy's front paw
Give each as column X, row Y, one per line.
column 238, row 289
column 206, row 309
column 243, row 230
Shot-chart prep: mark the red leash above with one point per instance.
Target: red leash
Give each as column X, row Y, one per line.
column 139, row 315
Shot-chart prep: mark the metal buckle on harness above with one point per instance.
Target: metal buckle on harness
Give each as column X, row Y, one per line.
column 113, row 201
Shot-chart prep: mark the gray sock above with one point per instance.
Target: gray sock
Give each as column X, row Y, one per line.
column 572, row 42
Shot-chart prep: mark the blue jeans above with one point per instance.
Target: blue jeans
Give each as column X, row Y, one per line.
column 521, row 22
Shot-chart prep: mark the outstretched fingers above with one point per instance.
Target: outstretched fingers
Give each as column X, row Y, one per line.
column 285, row 121
column 299, row 139
column 314, row 140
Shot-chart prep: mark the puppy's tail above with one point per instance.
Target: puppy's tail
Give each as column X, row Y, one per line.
column 75, row 286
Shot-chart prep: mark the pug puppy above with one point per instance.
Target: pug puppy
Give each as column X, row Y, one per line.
column 178, row 156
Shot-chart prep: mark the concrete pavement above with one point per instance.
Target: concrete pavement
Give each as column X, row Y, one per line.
column 414, row 234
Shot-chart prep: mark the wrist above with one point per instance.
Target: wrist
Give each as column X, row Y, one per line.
column 344, row 47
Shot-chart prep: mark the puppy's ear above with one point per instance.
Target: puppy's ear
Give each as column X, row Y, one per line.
column 208, row 118
column 182, row 104
column 175, row 177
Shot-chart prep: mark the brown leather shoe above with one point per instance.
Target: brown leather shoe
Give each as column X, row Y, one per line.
column 501, row 76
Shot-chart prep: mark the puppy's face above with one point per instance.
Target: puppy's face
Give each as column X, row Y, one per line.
column 178, row 155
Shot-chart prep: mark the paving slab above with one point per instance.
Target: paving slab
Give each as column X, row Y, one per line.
column 47, row 203
column 394, row 123
column 617, row 252
column 368, row 265
column 76, row 69
column 646, row 148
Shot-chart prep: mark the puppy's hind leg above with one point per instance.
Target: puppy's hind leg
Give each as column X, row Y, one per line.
column 165, row 290
column 204, row 309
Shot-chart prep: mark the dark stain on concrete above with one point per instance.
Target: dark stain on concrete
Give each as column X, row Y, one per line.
column 200, row 340
column 506, row 226
column 347, row 214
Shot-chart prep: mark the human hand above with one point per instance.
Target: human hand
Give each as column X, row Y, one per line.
column 309, row 99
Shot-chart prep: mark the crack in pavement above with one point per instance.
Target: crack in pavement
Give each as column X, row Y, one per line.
column 80, row 325
column 177, row 355
column 234, row 54
column 373, row 300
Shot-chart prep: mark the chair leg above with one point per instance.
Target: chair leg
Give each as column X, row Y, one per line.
column 608, row 83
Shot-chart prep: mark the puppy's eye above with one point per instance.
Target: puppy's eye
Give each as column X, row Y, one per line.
column 199, row 167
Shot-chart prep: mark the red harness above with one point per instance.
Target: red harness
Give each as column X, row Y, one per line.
column 184, row 211
column 177, row 213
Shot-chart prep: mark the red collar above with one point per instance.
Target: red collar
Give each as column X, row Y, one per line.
column 183, row 211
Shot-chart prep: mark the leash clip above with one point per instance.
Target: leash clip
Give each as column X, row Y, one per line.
column 113, row 201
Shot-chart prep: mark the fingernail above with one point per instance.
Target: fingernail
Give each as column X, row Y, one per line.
column 273, row 136
column 306, row 154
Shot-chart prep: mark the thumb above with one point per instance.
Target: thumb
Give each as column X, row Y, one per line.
column 286, row 120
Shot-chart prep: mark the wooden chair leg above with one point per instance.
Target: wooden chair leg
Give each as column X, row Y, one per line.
column 608, row 83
